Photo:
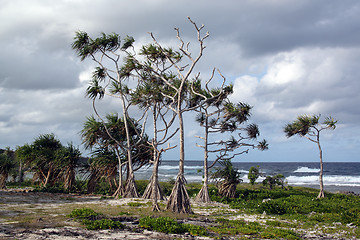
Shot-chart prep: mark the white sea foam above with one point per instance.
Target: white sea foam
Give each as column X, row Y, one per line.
column 328, row 180
column 168, row 167
column 306, row 170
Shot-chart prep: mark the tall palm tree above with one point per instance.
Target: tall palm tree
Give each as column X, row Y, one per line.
column 308, row 126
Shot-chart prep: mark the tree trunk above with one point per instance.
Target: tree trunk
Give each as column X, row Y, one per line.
column 179, row 200
column 120, row 189
column 69, row 179
column 321, row 193
column 203, row 195
column 47, row 178
column 153, row 190
column 130, row 188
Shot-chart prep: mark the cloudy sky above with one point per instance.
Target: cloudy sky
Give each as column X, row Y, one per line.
column 284, row 57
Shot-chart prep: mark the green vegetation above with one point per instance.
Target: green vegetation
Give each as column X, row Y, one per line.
column 169, row 225
column 227, row 227
column 102, row 224
column 93, row 220
column 83, row 213
column 297, row 204
column 254, row 173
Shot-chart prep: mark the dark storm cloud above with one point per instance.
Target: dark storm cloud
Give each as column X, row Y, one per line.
column 285, row 57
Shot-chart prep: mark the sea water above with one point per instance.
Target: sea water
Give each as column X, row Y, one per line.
column 337, row 176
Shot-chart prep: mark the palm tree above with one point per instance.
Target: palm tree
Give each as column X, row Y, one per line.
column 103, row 164
column 227, row 178
column 308, row 126
column 109, row 136
column 44, row 158
column 108, row 49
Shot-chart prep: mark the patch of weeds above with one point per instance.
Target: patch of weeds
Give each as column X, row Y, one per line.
column 83, row 213
column 274, row 223
column 161, row 224
column 93, row 220
column 169, row 225
column 235, row 227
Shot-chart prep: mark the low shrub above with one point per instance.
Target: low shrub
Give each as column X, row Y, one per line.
column 83, row 213
column 93, row 220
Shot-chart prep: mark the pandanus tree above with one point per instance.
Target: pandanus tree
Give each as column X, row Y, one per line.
column 310, row 127
column 102, row 165
column 182, row 63
column 43, row 160
column 220, row 117
column 228, row 178
column 50, row 161
column 105, row 50
column 148, row 96
column 108, row 138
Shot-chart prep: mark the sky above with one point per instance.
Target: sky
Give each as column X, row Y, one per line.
column 285, row 58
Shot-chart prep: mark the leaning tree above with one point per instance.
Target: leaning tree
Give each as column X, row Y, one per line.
column 107, row 52
column 309, row 127
column 218, row 116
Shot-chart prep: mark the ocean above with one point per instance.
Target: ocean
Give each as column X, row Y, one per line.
column 338, row 176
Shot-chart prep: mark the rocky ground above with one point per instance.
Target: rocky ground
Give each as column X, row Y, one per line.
column 31, row 215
